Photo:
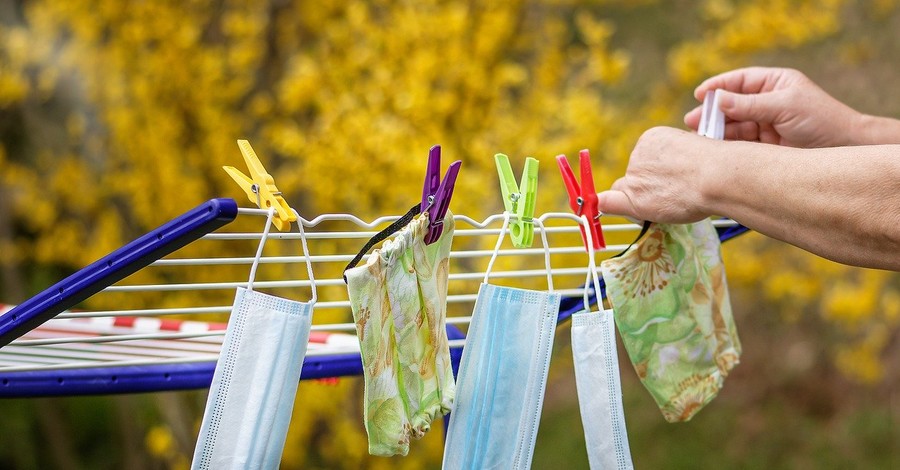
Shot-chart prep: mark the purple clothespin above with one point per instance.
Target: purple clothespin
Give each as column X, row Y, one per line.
column 436, row 193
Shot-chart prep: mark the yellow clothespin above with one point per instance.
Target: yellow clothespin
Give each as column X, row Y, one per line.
column 260, row 188
column 519, row 199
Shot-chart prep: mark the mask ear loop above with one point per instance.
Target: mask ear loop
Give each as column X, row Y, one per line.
column 546, row 253
column 592, row 268
column 259, row 250
column 309, row 269
column 503, row 228
column 487, row 272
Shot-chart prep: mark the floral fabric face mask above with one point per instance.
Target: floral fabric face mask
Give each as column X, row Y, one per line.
column 673, row 312
column 399, row 304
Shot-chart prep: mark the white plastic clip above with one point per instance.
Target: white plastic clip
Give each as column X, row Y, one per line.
column 712, row 119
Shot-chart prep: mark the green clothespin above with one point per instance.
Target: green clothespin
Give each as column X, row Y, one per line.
column 516, row 202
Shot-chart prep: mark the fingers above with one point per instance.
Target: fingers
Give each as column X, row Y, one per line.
column 760, row 108
column 768, row 135
column 742, row 130
column 734, row 130
column 745, row 80
column 692, row 118
column 615, row 202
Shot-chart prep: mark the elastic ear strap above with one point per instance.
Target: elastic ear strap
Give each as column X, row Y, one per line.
column 382, row 235
column 546, row 254
column 309, row 269
column 592, row 265
column 644, row 229
column 259, row 250
column 487, row 272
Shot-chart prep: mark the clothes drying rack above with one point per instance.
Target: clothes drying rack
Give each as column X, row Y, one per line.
column 164, row 317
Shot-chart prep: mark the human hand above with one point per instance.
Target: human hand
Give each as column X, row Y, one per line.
column 665, row 178
column 779, row 106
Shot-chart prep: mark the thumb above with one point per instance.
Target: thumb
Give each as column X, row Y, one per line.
column 615, row 202
column 758, row 107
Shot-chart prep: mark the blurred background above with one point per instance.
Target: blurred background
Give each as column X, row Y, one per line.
column 117, row 115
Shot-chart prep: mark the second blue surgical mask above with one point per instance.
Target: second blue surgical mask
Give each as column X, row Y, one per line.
column 502, row 376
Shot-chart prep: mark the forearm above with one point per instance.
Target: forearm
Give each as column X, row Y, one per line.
column 840, row 203
column 875, row 130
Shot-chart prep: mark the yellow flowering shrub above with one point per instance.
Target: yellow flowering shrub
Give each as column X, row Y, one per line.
column 118, row 116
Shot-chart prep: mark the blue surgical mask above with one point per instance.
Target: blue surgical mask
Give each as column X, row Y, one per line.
column 253, row 388
column 597, row 380
column 502, row 375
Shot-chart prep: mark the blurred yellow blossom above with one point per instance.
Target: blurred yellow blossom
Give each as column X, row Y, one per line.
column 127, row 111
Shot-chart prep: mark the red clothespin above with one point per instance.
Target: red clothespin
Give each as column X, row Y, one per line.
column 436, row 194
column 583, row 198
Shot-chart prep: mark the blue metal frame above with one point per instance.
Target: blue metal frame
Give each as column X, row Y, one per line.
column 115, row 266
column 165, row 377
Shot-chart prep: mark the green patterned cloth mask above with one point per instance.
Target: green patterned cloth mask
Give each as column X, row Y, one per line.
column 399, row 303
column 673, row 313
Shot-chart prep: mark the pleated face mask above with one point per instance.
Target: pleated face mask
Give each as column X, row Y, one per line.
column 399, row 304
column 502, row 376
column 256, row 377
column 673, row 313
column 597, row 379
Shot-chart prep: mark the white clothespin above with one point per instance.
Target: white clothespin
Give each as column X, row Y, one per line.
column 712, row 119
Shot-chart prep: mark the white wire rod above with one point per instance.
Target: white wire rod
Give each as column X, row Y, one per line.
column 468, row 254
column 202, row 286
column 112, row 338
column 391, row 218
column 76, row 336
column 182, row 346
column 458, row 218
column 610, row 228
column 141, row 362
column 460, row 298
column 226, row 261
column 133, row 363
column 335, row 327
column 388, row 219
column 145, row 312
column 454, row 344
column 151, row 336
column 17, row 359
column 317, row 259
column 106, row 352
column 363, row 234
column 526, row 273
column 369, row 234
column 724, row 223
column 568, row 250
column 66, row 353
column 322, row 282
column 556, row 272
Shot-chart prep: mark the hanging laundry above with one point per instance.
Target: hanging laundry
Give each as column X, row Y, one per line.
column 251, row 397
column 672, row 309
column 252, row 393
column 597, row 376
column 502, row 375
column 399, row 304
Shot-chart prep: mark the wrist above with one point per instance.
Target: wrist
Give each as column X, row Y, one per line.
column 875, row 130
column 715, row 172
